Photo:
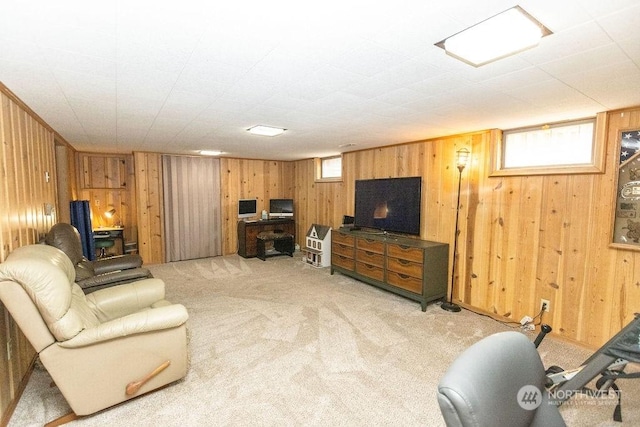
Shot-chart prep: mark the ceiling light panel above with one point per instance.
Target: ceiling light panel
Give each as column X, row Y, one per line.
column 266, row 130
column 502, row 35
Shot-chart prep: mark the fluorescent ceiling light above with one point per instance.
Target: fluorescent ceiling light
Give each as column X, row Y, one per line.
column 505, row 34
column 210, row 152
column 266, row 130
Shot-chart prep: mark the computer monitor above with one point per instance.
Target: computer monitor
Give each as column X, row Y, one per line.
column 247, row 208
column 280, row 208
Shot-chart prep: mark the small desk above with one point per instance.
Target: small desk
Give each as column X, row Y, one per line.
column 112, row 233
column 248, row 233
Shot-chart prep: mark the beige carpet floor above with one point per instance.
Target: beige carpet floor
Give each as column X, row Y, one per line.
column 280, row 343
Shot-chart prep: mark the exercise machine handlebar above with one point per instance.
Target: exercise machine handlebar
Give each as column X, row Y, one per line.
column 544, row 330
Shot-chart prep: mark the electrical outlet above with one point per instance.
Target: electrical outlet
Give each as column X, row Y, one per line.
column 97, row 202
column 545, row 305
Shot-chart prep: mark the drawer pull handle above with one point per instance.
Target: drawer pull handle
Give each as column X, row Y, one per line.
column 404, row 276
column 404, row 261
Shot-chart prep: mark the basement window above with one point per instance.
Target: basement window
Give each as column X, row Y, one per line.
column 328, row 169
column 557, row 148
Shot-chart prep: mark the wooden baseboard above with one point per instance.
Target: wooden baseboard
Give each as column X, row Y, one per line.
column 503, row 319
column 23, row 384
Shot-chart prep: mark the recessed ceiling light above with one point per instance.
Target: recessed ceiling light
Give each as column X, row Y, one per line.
column 502, row 35
column 266, row 130
column 210, row 152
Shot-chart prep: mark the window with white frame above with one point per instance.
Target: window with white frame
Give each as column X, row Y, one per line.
column 567, row 147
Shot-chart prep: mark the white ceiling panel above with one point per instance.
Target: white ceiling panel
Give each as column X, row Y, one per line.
column 183, row 76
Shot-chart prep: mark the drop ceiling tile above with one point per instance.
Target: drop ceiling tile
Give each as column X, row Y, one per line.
column 600, row 56
column 64, row 60
column 88, row 86
column 573, row 40
column 604, row 8
column 144, row 82
column 369, row 59
column 616, row 24
column 557, row 16
column 369, row 74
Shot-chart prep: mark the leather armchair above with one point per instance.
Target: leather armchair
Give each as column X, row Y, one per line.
column 94, row 275
column 100, row 349
column 481, row 387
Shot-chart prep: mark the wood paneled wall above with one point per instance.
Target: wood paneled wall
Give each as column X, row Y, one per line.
column 247, row 179
column 26, row 158
column 522, row 238
column 108, row 181
column 148, row 172
column 549, row 237
column 240, row 179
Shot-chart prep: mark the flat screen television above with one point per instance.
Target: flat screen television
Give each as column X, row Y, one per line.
column 280, row 208
column 389, row 204
column 247, row 208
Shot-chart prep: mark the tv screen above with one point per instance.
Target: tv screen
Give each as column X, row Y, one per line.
column 280, row 208
column 247, row 208
column 389, row 204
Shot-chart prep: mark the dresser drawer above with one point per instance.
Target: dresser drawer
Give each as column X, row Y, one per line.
column 370, row 245
column 342, row 239
column 370, row 271
column 405, row 252
column 408, row 268
column 341, row 249
column 371, row 258
column 403, row 281
column 342, row 261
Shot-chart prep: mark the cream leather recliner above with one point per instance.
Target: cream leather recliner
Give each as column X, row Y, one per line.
column 100, row 349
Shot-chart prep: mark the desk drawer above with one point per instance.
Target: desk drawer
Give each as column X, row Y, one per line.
column 370, row 271
column 405, row 252
column 370, row 245
column 403, row 281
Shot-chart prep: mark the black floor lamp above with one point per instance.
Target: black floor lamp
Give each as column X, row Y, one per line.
column 462, row 157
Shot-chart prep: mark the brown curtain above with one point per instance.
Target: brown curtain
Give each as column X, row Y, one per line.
column 191, row 207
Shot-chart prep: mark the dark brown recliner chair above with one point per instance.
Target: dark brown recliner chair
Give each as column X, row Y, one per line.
column 94, row 275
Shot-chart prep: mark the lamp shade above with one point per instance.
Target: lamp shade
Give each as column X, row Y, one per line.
column 462, row 158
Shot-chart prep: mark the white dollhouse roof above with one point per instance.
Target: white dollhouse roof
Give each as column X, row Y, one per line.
column 317, row 231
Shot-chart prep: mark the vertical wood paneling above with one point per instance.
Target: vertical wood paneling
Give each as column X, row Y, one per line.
column 259, row 179
column 108, row 182
column 521, row 238
column 148, row 172
column 26, row 154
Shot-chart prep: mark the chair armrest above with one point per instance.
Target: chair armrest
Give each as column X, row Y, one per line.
column 113, row 278
column 137, row 323
column 122, row 262
column 122, row 300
